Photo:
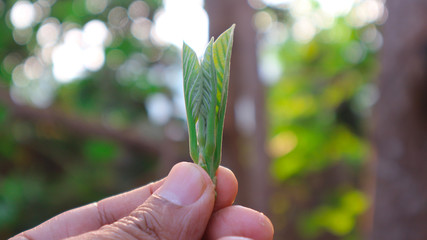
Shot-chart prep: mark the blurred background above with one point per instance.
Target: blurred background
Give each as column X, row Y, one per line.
column 91, row 105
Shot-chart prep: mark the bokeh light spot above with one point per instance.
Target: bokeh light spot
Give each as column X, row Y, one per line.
column 48, row 33
column 11, row 61
column 22, row 35
column 22, row 14
column 94, row 58
column 66, row 58
column 138, row 9
column 159, row 109
column 141, row 28
column 303, row 30
column 118, row 17
column 262, row 20
column 96, row 6
column 18, row 76
column 95, row 33
column 282, row 144
column 33, row 68
column 336, row 7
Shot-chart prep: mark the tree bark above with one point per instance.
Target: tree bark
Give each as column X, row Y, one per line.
column 243, row 147
column 400, row 125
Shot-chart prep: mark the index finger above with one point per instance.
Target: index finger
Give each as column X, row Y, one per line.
column 90, row 217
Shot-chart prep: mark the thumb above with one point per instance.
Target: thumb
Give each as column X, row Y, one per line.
column 179, row 209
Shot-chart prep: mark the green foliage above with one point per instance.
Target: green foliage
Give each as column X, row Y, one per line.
column 205, row 91
column 317, row 111
column 337, row 216
column 3, row 114
column 49, row 165
column 99, row 151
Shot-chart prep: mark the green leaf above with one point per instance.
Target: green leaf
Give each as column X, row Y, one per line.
column 206, row 90
column 206, row 86
column 207, row 117
column 222, row 58
column 191, row 69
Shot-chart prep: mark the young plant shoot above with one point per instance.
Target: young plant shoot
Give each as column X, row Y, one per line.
column 205, row 91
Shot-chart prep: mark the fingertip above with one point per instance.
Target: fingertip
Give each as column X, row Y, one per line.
column 240, row 221
column 227, row 187
column 185, row 184
column 266, row 223
column 226, row 184
column 262, row 227
column 186, row 165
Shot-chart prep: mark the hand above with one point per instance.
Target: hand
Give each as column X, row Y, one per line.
column 180, row 206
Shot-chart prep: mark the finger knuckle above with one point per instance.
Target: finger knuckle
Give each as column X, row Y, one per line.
column 146, row 221
column 141, row 224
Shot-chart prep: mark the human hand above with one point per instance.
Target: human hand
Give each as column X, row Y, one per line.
column 180, row 206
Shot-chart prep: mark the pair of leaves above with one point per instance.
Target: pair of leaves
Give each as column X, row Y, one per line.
column 206, row 91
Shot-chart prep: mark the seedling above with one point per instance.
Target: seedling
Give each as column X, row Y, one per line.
column 206, row 91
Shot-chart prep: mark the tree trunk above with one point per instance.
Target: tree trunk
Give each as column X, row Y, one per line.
column 245, row 123
column 400, row 125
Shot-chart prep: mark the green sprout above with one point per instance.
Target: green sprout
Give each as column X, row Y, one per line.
column 206, row 91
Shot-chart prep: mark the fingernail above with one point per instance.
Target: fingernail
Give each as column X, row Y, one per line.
column 184, row 185
column 235, row 238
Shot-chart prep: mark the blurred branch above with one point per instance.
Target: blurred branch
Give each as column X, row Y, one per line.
column 75, row 125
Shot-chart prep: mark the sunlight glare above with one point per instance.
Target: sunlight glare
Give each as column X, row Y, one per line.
column 182, row 21
column 22, row 14
column 67, row 61
column 81, row 50
column 93, row 58
column 300, row 8
column 277, row 2
column 336, row 7
column 95, row 33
